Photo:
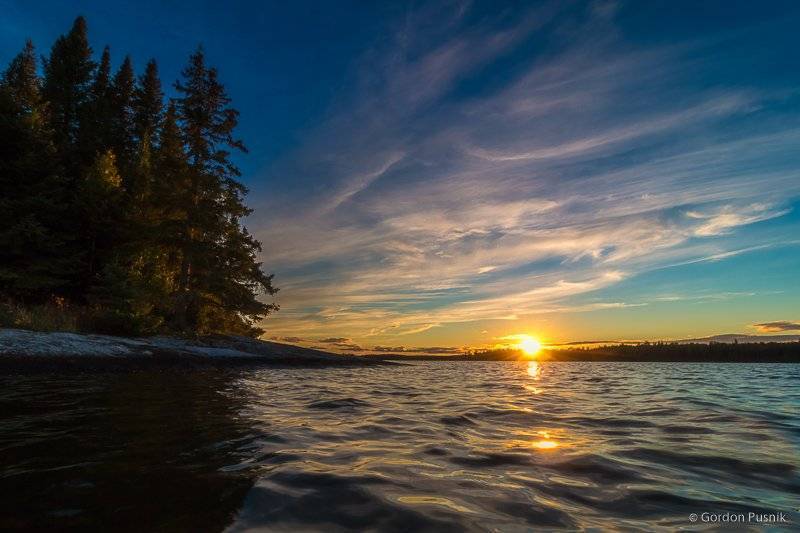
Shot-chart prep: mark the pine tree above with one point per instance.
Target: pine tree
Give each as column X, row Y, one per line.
column 147, row 110
column 99, row 202
column 67, row 77
column 122, row 125
column 170, row 167
column 171, row 185
column 219, row 277
column 126, row 209
column 148, row 105
column 95, row 124
column 102, row 77
column 22, row 83
column 33, row 259
column 124, row 292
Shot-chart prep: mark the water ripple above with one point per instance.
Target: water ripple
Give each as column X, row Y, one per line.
column 452, row 446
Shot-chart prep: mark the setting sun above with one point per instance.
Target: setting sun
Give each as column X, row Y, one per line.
column 530, row 346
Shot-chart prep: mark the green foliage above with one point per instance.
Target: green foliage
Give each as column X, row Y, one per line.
column 126, row 213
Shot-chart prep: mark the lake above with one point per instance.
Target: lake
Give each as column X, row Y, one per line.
column 431, row 446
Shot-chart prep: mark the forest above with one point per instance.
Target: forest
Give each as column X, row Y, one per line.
column 121, row 209
column 695, row 352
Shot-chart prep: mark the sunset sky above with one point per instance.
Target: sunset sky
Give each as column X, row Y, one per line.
column 437, row 175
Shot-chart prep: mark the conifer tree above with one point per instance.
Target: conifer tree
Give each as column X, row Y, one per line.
column 33, row 258
column 148, row 105
column 122, row 207
column 171, row 183
column 122, row 126
column 22, row 83
column 102, row 77
column 99, row 202
column 95, row 122
column 67, row 77
column 219, row 277
column 147, row 110
column 169, row 213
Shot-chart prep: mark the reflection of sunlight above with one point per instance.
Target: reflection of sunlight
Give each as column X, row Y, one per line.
column 533, row 369
column 546, row 443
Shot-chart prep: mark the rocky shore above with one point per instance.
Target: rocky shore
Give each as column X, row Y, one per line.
column 24, row 349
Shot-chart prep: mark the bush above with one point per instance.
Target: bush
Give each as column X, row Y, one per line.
column 57, row 316
column 115, row 322
column 51, row 316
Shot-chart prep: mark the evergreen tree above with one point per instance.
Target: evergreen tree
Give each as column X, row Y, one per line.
column 169, row 213
column 102, row 78
column 22, row 84
column 99, row 203
column 96, row 119
column 122, row 126
column 219, row 277
column 148, row 105
column 33, row 258
column 67, row 77
column 147, row 111
column 131, row 211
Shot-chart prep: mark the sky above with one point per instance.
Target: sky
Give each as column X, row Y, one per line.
column 434, row 176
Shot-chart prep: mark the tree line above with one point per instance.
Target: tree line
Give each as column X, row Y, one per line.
column 119, row 206
column 716, row 352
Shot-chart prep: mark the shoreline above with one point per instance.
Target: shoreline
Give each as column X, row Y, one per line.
column 36, row 350
column 26, row 350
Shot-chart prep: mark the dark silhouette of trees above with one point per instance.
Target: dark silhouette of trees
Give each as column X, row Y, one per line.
column 120, row 206
column 35, row 258
column 717, row 352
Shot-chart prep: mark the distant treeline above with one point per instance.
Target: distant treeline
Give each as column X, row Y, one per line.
column 767, row 352
column 119, row 212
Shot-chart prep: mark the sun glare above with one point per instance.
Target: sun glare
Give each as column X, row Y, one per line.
column 530, row 346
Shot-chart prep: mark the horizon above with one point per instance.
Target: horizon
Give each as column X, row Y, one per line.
column 605, row 170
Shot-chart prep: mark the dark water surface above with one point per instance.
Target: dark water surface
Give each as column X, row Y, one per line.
column 455, row 446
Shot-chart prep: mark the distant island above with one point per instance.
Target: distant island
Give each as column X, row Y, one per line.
column 694, row 352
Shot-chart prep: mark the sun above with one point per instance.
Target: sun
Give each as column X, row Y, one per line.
column 530, row 346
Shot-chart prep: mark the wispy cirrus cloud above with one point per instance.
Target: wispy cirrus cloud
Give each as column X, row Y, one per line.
column 429, row 199
column 727, row 218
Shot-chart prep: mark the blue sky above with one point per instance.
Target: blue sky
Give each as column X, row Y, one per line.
column 447, row 174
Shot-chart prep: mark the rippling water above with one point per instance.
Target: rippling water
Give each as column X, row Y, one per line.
column 430, row 446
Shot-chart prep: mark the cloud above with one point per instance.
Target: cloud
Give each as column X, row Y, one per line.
column 287, row 339
column 779, row 325
column 432, row 350
column 723, row 220
column 718, row 107
column 414, row 208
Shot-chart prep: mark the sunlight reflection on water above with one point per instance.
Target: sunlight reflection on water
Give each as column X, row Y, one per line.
column 533, row 369
column 427, row 446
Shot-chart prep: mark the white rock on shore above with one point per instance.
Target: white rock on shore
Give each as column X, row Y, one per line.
column 23, row 343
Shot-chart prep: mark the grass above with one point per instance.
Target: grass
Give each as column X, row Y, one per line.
column 51, row 316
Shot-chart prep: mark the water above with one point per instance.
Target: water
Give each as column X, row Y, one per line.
column 499, row 446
